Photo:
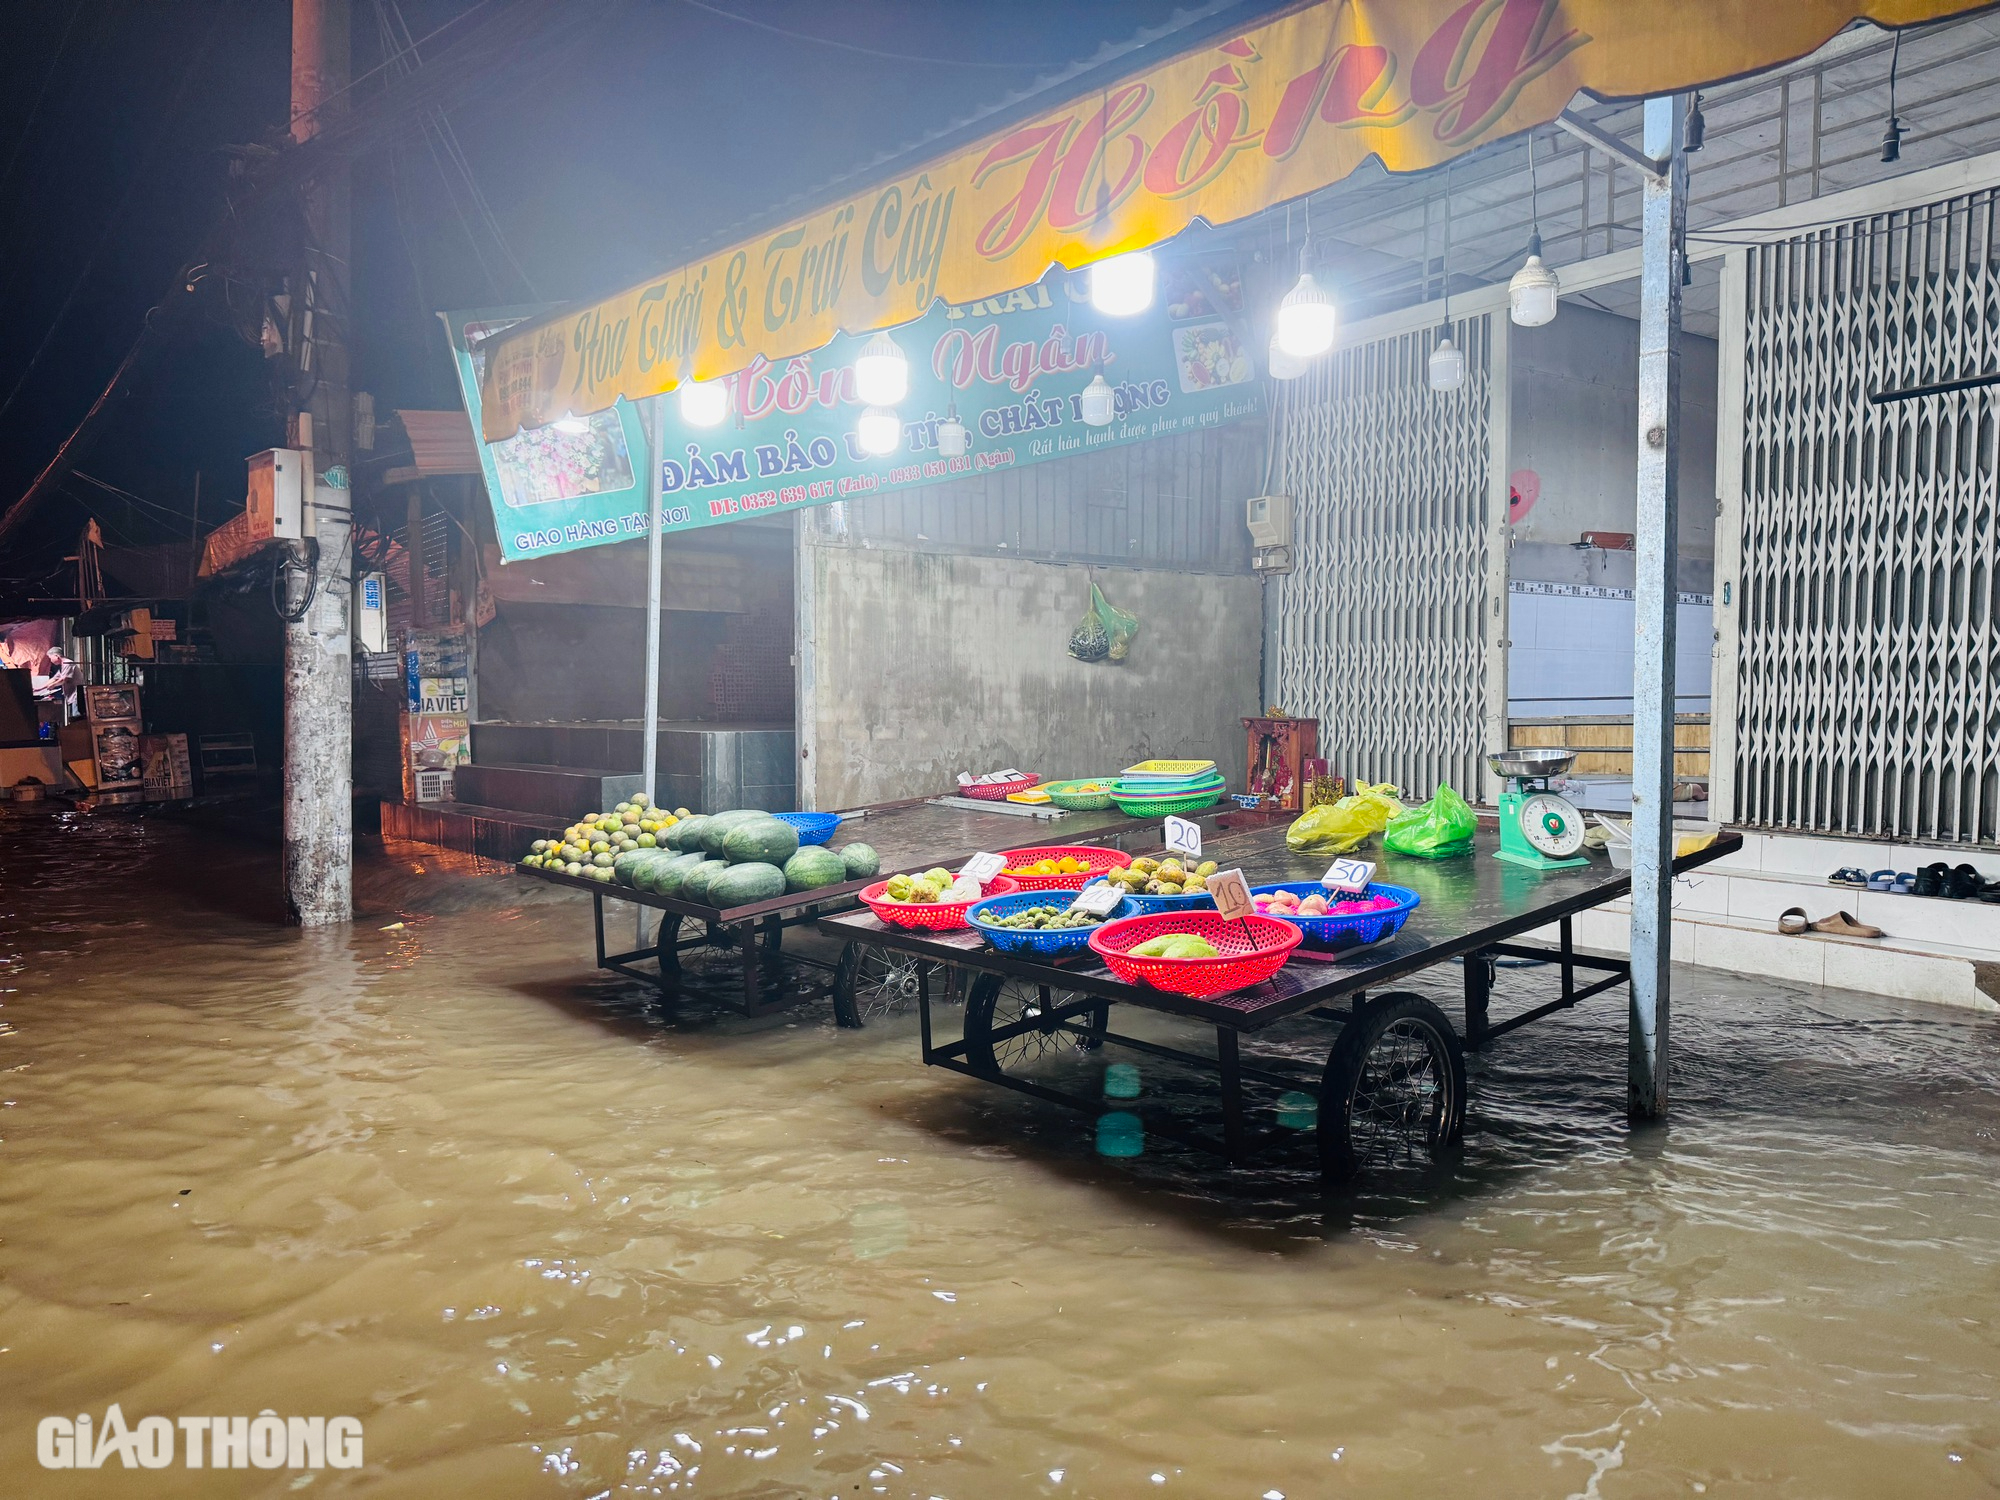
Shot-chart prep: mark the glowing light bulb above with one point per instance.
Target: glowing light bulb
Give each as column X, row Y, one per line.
column 881, row 374
column 880, row 430
column 1284, row 366
column 571, row 423
column 1122, row 285
column 704, row 403
column 1306, row 320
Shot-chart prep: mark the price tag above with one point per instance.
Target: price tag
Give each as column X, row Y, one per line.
column 1232, row 895
column 983, row 867
column 1183, row 836
column 1097, row 900
column 1348, row 875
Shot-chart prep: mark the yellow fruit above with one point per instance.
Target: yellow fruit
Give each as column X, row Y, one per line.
column 1069, row 864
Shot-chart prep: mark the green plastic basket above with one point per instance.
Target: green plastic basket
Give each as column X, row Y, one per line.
column 1070, row 801
column 1160, row 807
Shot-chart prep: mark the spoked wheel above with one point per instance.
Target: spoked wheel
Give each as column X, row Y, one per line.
column 1393, row 1097
column 668, row 935
column 872, row 984
column 997, row 1002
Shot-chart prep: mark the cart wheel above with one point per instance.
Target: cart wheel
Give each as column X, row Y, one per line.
column 996, row 1001
column 668, row 935
column 871, row 984
column 1394, row 1092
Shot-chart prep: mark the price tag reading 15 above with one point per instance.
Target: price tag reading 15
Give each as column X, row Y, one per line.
column 983, row 867
column 1183, row 836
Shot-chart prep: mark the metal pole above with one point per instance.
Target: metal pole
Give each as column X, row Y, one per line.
column 805, row 662
column 1662, row 255
column 319, row 702
column 658, row 435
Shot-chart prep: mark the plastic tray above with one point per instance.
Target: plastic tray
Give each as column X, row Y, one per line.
column 1249, row 950
column 933, row 916
column 1061, row 793
column 996, row 791
column 812, row 828
column 1044, row 941
column 1095, row 861
column 1169, row 768
column 1160, row 807
column 1353, row 929
column 1139, row 905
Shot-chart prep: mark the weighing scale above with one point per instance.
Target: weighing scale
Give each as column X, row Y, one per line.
column 1539, row 828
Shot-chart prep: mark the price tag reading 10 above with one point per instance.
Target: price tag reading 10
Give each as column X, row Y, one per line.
column 1232, row 895
column 983, row 867
column 1184, row 836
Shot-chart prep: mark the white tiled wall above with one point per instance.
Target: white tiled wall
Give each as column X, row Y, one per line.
column 1573, row 655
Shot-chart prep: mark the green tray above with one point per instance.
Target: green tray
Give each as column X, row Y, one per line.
column 1079, row 801
column 1160, row 807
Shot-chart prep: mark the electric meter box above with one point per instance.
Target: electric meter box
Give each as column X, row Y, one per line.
column 277, row 497
column 1270, row 520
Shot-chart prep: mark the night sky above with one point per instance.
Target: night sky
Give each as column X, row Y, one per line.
column 647, row 128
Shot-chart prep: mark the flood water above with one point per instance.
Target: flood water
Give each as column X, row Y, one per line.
column 545, row 1240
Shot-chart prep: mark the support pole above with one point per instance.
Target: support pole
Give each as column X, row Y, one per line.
column 319, row 693
column 1663, row 253
column 657, row 435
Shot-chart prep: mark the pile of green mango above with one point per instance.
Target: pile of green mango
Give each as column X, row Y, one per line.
column 1175, row 945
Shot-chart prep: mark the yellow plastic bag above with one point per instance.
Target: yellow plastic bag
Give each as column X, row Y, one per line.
column 1336, row 827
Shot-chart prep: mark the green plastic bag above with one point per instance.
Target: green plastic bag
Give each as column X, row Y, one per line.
column 1438, row 829
column 1336, row 827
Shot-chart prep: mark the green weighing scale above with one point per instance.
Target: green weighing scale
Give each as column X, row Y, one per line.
column 1539, row 828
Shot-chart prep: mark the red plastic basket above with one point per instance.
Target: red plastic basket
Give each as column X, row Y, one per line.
column 1095, row 862
column 1248, row 951
column 999, row 791
column 936, row 916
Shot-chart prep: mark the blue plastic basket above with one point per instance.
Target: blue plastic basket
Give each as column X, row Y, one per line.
column 1047, row 942
column 812, row 828
column 1354, row 929
column 1140, row 906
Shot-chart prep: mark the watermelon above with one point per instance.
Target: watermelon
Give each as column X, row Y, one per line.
column 762, row 841
column 714, row 829
column 695, row 880
column 664, row 878
column 739, row 885
column 683, row 835
column 812, row 867
column 627, row 866
column 861, row 861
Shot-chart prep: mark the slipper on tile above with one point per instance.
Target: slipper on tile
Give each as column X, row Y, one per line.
column 1848, row 875
column 1905, row 885
column 1792, row 922
column 1882, row 880
column 1842, row 924
column 1930, row 880
column 1962, row 884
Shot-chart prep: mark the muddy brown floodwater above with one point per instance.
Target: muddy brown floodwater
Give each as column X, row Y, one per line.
column 544, row 1240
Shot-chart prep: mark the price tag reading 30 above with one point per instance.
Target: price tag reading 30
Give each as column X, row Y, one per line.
column 1183, row 836
column 1348, row 875
column 1232, row 894
column 983, row 867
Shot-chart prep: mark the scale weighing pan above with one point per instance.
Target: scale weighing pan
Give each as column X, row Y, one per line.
column 1531, row 762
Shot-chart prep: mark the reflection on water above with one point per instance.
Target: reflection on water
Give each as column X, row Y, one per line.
column 546, row 1240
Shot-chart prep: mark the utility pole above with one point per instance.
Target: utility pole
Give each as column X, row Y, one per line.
column 319, row 694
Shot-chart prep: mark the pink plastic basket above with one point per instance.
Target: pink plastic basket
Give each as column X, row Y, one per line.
column 935, row 916
column 1095, row 862
column 1248, row 951
column 999, row 791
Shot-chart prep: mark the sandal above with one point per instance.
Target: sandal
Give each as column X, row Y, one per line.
column 1792, row 922
column 1882, row 880
column 1930, row 880
column 1842, row 924
column 1848, row 875
column 1963, row 884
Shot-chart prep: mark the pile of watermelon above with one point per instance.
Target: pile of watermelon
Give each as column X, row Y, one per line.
column 733, row 858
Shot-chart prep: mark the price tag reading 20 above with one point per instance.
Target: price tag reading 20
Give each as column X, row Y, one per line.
column 1183, row 836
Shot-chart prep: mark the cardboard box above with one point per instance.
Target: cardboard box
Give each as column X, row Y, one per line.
column 169, row 776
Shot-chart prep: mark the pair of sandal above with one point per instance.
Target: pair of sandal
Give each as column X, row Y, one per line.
column 1960, row 883
column 1793, row 922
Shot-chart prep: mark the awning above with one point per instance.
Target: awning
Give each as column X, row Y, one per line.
column 441, row 442
column 1217, row 134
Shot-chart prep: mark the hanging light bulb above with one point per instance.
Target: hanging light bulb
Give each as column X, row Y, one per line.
column 571, row 423
column 1122, row 285
column 952, row 438
column 1306, row 318
column 880, row 430
column 1099, row 405
column 1284, row 366
column 1531, row 295
column 704, row 403
column 1447, row 367
column 881, row 374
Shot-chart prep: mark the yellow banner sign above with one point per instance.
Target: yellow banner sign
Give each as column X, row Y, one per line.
column 1217, row 134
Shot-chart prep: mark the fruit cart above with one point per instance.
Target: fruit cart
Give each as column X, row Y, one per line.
column 1392, row 1089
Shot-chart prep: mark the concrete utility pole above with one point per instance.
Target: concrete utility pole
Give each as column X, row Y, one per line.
column 319, row 701
column 1656, row 596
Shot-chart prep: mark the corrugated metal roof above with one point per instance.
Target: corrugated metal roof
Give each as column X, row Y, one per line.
column 441, row 442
